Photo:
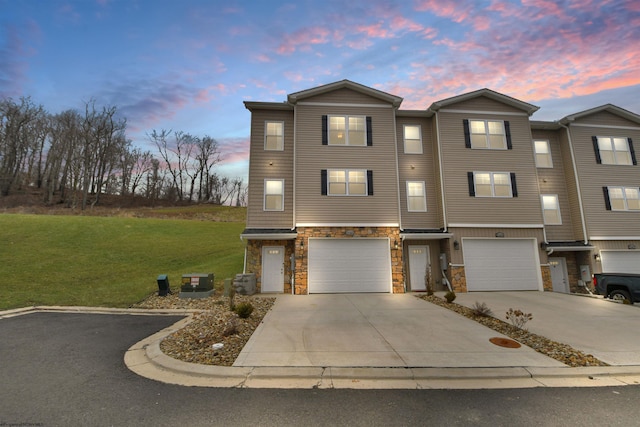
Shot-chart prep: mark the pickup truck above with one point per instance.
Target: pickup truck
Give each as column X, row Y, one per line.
column 618, row 286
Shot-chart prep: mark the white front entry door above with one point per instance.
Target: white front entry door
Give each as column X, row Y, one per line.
column 559, row 277
column 272, row 269
column 418, row 264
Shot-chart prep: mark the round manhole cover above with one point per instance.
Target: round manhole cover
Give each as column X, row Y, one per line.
column 505, row 342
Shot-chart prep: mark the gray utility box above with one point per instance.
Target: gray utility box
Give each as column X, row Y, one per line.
column 245, row 284
column 196, row 285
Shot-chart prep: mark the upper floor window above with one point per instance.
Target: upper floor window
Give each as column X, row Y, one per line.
column 416, row 197
column 543, row 153
column 346, row 130
column 614, row 150
column 622, row 198
column 274, row 136
column 487, row 134
column 347, row 182
column 492, row 184
column 274, row 194
column 551, row 209
column 412, row 139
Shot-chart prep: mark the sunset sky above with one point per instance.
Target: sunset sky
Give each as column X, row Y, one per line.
column 188, row 65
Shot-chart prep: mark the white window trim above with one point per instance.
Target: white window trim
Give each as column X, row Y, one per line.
column 614, row 151
column 347, row 172
column 346, row 129
column 549, row 153
column 624, row 198
column 264, row 198
column 424, row 196
column 557, row 209
column 486, row 134
column 266, row 123
column 404, row 139
column 493, row 190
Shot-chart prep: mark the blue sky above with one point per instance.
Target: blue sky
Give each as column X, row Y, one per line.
column 188, row 65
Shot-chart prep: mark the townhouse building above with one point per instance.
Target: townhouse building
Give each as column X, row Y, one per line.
column 350, row 193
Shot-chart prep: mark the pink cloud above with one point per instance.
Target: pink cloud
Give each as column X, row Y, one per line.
column 234, row 149
column 303, row 38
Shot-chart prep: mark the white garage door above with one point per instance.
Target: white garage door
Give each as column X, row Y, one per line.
column 620, row 262
column 501, row 265
column 349, row 265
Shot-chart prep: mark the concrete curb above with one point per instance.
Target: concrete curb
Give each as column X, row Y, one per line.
column 95, row 310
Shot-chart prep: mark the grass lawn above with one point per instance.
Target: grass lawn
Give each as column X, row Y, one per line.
column 107, row 261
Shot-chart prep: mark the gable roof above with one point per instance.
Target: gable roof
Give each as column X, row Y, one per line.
column 606, row 107
column 521, row 105
column 298, row 96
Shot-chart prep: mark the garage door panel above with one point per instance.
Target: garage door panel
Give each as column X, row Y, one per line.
column 620, row 262
column 501, row 264
column 349, row 265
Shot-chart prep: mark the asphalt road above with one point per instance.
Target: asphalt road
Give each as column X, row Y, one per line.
column 59, row 369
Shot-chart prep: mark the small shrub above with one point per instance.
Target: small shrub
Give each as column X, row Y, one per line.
column 518, row 318
column 450, row 296
column 481, row 309
column 626, row 301
column 244, row 310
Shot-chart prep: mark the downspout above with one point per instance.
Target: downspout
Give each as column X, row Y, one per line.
column 575, row 174
column 395, row 137
column 444, row 209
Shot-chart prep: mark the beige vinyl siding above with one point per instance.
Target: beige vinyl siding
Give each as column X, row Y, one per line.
column 423, row 170
column 483, row 103
column 571, row 184
column 259, row 170
column 490, row 233
column 312, row 157
column 593, row 176
column 437, row 173
column 344, row 96
column 605, row 118
column 552, row 181
column 458, row 160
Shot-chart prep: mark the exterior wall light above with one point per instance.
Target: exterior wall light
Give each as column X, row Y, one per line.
column 395, row 244
column 456, row 245
column 597, row 257
column 631, row 246
column 499, row 234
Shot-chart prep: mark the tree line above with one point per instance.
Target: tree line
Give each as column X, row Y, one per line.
column 76, row 156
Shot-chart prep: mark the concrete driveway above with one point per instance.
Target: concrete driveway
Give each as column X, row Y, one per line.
column 376, row 330
column 605, row 329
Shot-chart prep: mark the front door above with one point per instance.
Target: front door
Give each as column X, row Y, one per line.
column 272, row 269
column 418, row 264
column 559, row 277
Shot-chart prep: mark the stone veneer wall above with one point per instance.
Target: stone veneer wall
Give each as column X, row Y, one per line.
column 546, row 278
column 304, row 233
column 458, row 279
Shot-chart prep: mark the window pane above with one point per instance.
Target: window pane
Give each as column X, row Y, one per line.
column 274, row 187
column 623, row 158
column 501, row 179
column 337, row 188
column 337, row 131
column 620, row 144
column 607, row 157
column 549, row 202
column 412, row 146
column 483, row 190
column 633, row 202
column 543, row 160
column 273, row 143
column 615, row 193
column 357, row 131
column 616, row 197
column 501, row 185
column 415, row 188
column 274, row 138
column 496, row 141
column 551, row 217
column 357, row 182
column 502, row 190
column 273, row 202
column 496, row 128
column 483, row 178
column 479, row 141
column 412, row 132
column 604, row 144
column 477, row 126
column 541, row 147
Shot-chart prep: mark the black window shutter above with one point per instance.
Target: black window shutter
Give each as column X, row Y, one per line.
column 325, row 133
column 607, row 201
column 369, row 133
column 323, row 181
column 472, row 188
column 514, row 187
column 507, row 132
column 594, row 139
column 467, row 133
column 370, row 183
column 632, row 151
